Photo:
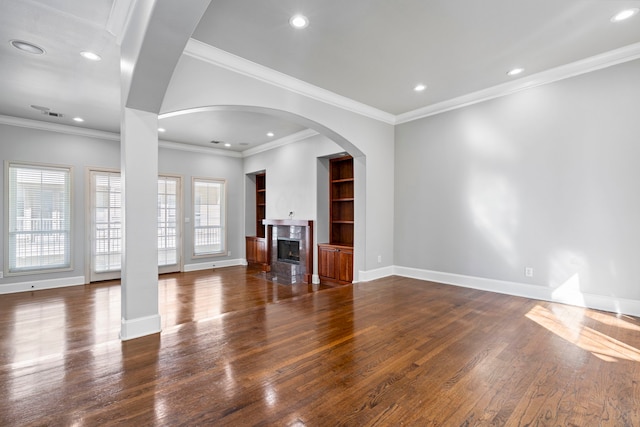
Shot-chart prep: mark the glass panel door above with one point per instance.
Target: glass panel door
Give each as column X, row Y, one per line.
column 169, row 247
column 106, row 225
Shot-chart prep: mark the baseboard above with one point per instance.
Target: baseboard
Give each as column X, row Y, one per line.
column 214, row 264
column 11, row 288
column 140, row 327
column 315, row 279
column 571, row 296
column 379, row 273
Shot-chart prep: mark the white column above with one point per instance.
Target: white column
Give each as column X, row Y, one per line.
column 139, row 169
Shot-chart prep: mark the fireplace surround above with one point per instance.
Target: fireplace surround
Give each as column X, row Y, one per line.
column 290, row 250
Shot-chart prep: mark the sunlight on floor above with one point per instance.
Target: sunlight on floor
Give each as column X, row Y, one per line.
column 611, row 320
column 600, row 345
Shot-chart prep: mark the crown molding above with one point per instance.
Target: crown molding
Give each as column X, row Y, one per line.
column 119, row 18
column 180, row 146
column 218, row 57
column 290, row 139
column 587, row 65
column 234, row 63
column 91, row 133
column 221, row 58
column 59, row 128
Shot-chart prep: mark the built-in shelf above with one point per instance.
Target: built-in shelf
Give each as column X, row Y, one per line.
column 261, row 203
column 335, row 259
column 341, row 198
column 256, row 246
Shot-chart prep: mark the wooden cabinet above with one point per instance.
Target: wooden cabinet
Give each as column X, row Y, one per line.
column 335, row 263
column 335, row 259
column 256, row 250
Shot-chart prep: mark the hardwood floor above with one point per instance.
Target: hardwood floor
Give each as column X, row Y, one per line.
column 239, row 350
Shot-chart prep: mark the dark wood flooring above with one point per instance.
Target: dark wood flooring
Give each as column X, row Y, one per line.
column 239, row 350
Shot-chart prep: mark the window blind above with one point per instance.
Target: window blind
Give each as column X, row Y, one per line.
column 39, row 211
column 107, row 221
column 209, row 220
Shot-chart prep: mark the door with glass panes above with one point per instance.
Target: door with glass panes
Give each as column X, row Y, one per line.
column 106, row 225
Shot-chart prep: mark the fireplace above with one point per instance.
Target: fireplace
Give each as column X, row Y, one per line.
column 289, row 250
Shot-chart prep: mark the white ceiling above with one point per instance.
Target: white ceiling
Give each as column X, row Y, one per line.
column 370, row 51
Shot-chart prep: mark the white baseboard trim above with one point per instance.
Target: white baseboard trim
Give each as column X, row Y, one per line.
column 569, row 296
column 214, row 264
column 379, row 273
column 140, row 327
column 11, row 288
column 491, row 285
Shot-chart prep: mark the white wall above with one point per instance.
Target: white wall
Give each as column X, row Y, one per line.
column 291, row 176
column 544, row 178
column 42, row 146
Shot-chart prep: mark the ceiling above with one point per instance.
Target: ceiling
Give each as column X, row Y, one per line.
column 370, row 51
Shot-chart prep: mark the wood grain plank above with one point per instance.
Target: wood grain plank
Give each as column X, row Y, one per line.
column 237, row 349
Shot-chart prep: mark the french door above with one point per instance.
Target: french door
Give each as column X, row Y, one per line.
column 169, row 232
column 106, row 225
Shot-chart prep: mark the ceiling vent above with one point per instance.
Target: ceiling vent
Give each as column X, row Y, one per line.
column 53, row 114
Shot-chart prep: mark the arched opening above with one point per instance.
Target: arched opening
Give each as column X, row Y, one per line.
column 182, row 117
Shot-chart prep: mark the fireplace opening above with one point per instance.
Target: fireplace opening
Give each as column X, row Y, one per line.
column 289, row 250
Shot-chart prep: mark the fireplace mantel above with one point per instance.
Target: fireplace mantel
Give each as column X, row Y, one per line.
column 296, row 222
column 305, row 231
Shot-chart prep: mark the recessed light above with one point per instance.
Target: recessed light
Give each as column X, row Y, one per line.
column 515, row 71
column 299, row 21
column 78, row 119
column 162, row 130
column 227, row 144
column 27, row 47
column 270, row 134
column 90, row 55
column 420, row 87
column 625, row 14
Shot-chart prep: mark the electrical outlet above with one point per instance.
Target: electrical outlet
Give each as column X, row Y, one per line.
column 528, row 271
column 379, row 258
column 1, row 274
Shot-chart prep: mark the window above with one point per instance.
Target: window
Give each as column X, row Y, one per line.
column 209, row 237
column 39, row 218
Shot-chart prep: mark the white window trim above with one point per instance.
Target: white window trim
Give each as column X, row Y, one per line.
column 7, row 164
column 224, row 250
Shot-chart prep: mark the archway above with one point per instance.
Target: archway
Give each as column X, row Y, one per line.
column 346, row 145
